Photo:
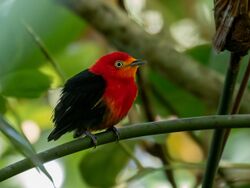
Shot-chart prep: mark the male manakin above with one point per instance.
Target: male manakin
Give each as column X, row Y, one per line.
column 97, row 98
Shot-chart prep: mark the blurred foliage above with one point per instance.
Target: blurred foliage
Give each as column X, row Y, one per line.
column 29, row 89
column 2, row 104
column 22, row 144
column 31, row 85
column 177, row 148
column 100, row 170
column 174, row 95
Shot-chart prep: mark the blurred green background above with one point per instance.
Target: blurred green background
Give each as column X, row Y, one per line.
column 30, row 86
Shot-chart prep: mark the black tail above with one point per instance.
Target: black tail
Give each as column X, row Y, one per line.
column 56, row 133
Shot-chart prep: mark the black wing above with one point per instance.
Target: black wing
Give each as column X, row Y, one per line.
column 80, row 105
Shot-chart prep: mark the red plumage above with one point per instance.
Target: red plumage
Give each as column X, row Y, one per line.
column 120, row 91
column 97, row 98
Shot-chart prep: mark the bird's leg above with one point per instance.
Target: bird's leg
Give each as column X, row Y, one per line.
column 115, row 131
column 91, row 136
column 79, row 132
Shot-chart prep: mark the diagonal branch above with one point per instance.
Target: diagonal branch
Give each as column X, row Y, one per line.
column 124, row 34
column 137, row 130
column 45, row 51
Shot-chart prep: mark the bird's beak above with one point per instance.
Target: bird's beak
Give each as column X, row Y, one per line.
column 137, row 62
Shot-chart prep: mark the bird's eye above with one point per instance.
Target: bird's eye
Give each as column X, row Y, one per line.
column 119, row 64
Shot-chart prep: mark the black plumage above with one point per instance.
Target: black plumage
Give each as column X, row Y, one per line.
column 80, row 107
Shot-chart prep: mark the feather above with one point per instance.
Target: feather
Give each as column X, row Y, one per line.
column 80, row 106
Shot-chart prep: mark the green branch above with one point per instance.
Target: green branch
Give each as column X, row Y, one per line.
column 219, row 135
column 134, row 131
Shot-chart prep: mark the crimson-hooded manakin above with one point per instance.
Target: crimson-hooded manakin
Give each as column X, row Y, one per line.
column 97, row 98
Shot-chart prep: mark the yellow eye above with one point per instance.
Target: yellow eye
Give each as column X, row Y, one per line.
column 119, row 64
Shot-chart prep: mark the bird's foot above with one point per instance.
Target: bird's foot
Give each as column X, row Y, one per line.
column 92, row 137
column 115, row 131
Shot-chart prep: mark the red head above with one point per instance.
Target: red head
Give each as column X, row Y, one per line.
column 116, row 65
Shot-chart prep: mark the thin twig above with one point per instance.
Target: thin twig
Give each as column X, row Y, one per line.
column 238, row 98
column 242, row 89
column 165, row 102
column 219, row 134
column 144, row 97
column 130, row 153
column 45, row 51
column 181, row 165
column 150, row 117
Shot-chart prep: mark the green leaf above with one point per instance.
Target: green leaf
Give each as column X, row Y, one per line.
column 201, row 53
column 99, row 168
column 2, row 104
column 177, row 98
column 78, row 56
column 24, row 83
column 205, row 55
column 5, row 7
column 22, row 145
column 18, row 50
column 247, row 185
column 174, row 12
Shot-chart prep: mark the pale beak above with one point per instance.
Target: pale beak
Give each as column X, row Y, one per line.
column 137, row 62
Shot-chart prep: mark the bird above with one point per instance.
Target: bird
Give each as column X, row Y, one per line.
column 97, row 98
